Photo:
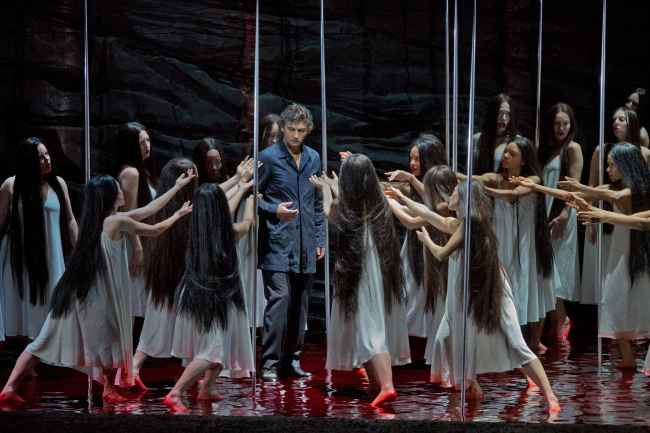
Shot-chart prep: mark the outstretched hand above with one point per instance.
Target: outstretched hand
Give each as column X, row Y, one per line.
column 395, row 194
column 423, row 234
column 318, row 182
column 576, row 202
column 184, row 180
column 185, row 209
column 244, row 185
column 249, row 169
column 569, row 184
column 284, row 213
column 398, row 175
column 522, row 181
column 345, row 155
column 333, row 182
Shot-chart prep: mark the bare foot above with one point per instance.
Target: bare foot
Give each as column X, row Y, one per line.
column 112, row 396
column 208, row 396
column 563, row 332
column 10, row 396
column 139, row 385
column 371, row 390
column 174, row 403
column 384, row 397
column 361, row 371
column 539, row 347
column 626, row 365
column 531, row 384
column 474, row 392
column 553, row 404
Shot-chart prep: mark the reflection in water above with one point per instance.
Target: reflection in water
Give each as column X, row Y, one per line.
column 615, row 398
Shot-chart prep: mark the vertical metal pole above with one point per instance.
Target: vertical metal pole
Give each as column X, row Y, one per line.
column 447, row 82
column 324, row 160
column 539, row 73
column 256, row 132
column 455, row 128
column 86, row 97
column 601, row 170
column 468, row 219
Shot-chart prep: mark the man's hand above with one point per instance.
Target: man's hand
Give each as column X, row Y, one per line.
column 320, row 253
column 286, row 214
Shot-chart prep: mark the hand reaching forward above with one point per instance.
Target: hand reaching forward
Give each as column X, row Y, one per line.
column 284, row 213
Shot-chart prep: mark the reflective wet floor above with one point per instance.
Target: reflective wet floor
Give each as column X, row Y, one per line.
column 614, row 397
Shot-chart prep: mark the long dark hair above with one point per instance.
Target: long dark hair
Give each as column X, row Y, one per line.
column 439, row 184
column 362, row 205
column 543, row 243
column 548, row 143
column 27, row 237
column 166, row 253
column 641, row 108
column 211, row 284
column 486, row 278
column 636, row 175
column 431, row 152
column 633, row 137
column 87, row 260
column 128, row 153
column 484, row 153
column 200, row 153
column 266, row 126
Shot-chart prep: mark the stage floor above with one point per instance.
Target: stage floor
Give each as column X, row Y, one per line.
column 613, row 398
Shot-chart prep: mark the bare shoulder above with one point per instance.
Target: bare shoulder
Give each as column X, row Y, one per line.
column 128, row 174
column 8, row 185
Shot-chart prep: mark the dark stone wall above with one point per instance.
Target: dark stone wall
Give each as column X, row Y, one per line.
column 185, row 70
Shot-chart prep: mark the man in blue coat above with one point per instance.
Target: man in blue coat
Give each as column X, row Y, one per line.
column 291, row 240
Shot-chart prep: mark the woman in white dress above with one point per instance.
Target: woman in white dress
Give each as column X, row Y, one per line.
column 211, row 332
column 499, row 129
column 627, row 129
column 137, row 178
column 89, row 326
column 163, row 270
column 40, row 235
column 425, row 152
column 494, row 340
column 368, row 322
column 439, row 183
column 624, row 314
column 525, row 246
column 562, row 157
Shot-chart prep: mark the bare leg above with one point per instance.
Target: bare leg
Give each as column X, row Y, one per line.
column 528, row 379
column 381, row 367
column 31, row 372
column 138, row 359
column 109, row 386
column 626, row 353
column 191, row 374
column 536, row 372
column 208, row 381
column 564, row 324
column 552, row 318
column 536, row 336
column 474, row 392
column 373, row 383
column 26, row 362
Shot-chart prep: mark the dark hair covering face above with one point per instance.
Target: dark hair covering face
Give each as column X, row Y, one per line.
column 439, row 183
column 484, row 152
column 486, row 277
column 128, row 154
column 548, row 143
column 27, row 236
column 166, row 253
column 543, row 243
column 363, row 208
column 211, row 285
column 266, row 127
column 87, row 261
column 201, row 150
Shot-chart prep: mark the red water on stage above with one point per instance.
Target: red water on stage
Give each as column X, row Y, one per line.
column 614, row 397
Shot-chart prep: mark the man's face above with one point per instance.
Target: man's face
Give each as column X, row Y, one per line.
column 294, row 133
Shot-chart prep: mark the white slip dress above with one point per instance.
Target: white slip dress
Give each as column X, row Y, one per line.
column 247, row 270
column 503, row 350
column 589, row 283
column 372, row 330
column 157, row 334
column 566, row 247
column 139, row 298
column 415, row 295
column 230, row 347
column 514, row 225
column 625, row 311
column 21, row 318
column 96, row 334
